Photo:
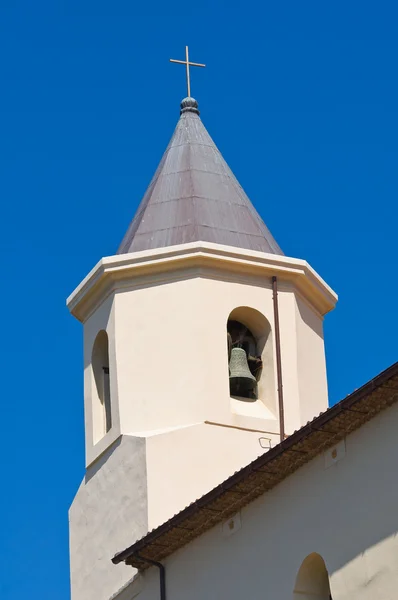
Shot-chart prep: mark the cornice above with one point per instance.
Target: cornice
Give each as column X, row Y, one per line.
column 165, row 264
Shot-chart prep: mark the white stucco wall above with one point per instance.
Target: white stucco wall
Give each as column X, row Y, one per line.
column 168, row 353
column 109, row 507
column 102, row 319
column 182, row 433
column 184, row 464
column 139, row 483
column 171, row 366
column 311, row 361
column 347, row 513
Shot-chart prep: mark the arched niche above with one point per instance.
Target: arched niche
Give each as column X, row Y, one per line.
column 312, row 581
column 101, row 396
column 259, row 326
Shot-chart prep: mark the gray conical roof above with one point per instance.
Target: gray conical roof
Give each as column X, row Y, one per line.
column 194, row 196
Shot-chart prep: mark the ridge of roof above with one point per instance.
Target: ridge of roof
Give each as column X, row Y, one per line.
column 257, row 478
column 194, row 196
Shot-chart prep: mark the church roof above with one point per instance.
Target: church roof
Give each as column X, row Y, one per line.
column 265, row 472
column 194, row 196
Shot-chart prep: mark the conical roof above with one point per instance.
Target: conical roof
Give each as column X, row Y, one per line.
column 194, row 196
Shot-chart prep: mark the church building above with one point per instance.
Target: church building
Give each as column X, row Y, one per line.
column 214, row 468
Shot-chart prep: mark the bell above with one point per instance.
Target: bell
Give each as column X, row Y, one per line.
column 241, row 380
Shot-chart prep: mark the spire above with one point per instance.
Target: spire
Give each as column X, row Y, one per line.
column 194, row 196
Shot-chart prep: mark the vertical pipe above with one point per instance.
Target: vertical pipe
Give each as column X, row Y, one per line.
column 278, row 359
column 162, row 574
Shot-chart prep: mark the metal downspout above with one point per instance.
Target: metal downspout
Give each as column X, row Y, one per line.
column 278, row 359
column 162, row 574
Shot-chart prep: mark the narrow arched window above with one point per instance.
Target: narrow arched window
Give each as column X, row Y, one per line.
column 101, row 391
column 312, row 581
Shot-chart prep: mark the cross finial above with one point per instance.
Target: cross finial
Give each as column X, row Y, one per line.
column 188, row 64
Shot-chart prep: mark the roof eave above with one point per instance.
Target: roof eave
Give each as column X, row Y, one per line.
column 110, row 272
column 256, row 478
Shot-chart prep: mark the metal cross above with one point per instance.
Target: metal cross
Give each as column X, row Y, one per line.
column 188, row 64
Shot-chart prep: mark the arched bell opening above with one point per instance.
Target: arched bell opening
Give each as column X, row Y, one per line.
column 312, row 581
column 245, row 363
column 101, row 395
column 250, row 356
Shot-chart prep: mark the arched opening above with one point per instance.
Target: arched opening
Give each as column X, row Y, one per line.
column 312, row 581
column 244, row 360
column 250, row 356
column 101, row 391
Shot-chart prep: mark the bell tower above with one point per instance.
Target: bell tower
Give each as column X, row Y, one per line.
column 183, row 363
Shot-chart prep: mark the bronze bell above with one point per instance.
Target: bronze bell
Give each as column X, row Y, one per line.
column 241, row 380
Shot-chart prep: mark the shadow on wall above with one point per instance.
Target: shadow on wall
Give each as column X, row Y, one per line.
column 310, row 318
column 101, row 460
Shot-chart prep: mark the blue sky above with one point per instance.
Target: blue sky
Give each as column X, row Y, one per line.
column 301, row 98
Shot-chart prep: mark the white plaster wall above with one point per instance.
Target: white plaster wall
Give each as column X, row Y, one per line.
column 110, row 507
column 347, row 513
column 288, row 335
column 168, row 355
column 168, row 376
column 102, row 318
column 311, row 363
column 184, row 464
column 171, row 354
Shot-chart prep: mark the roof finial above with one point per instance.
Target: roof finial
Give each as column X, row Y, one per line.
column 189, row 105
column 188, row 64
